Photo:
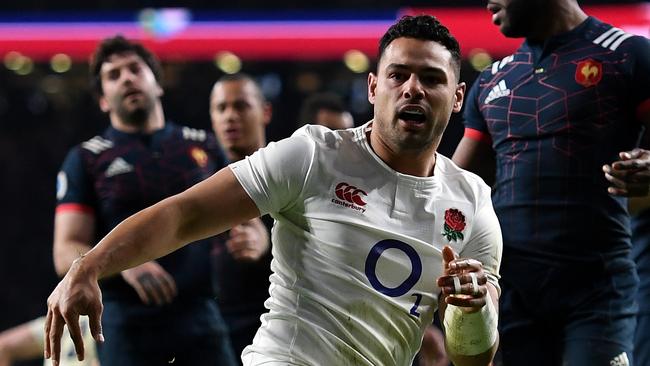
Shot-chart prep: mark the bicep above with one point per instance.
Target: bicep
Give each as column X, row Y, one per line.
column 74, row 232
column 476, row 156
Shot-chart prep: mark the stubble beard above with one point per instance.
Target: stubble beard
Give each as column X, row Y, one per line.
column 136, row 117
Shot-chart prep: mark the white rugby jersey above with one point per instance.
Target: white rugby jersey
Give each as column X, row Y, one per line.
column 357, row 247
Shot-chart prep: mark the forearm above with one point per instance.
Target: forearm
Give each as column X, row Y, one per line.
column 146, row 235
column 472, row 338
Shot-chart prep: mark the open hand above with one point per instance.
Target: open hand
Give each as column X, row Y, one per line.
column 152, row 283
column 249, row 241
column 463, row 282
column 77, row 294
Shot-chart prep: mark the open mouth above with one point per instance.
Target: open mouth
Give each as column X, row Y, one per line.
column 132, row 93
column 413, row 115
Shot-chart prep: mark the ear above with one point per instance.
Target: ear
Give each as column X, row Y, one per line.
column 372, row 86
column 103, row 104
column 159, row 90
column 268, row 113
column 459, row 97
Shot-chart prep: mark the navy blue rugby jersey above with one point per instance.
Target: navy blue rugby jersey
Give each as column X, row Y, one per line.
column 555, row 113
column 118, row 174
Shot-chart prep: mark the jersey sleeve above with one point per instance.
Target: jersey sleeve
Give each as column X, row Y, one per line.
column 73, row 187
column 641, row 75
column 275, row 176
column 472, row 116
column 486, row 242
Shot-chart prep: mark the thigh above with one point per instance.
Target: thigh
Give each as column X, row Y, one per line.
column 523, row 340
column 600, row 330
column 206, row 350
column 128, row 346
column 591, row 352
column 642, row 340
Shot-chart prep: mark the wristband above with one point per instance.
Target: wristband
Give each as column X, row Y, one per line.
column 470, row 334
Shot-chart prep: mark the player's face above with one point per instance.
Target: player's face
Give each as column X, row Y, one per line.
column 414, row 93
column 130, row 88
column 239, row 116
column 517, row 18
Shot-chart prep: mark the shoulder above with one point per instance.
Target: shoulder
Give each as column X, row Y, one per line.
column 95, row 145
column 613, row 38
column 323, row 138
column 190, row 133
column 321, row 133
column 459, row 177
column 497, row 66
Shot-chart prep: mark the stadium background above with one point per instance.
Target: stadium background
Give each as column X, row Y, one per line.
column 46, row 105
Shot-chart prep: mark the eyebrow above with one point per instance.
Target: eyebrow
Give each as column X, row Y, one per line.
column 111, row 68
column 424, row 69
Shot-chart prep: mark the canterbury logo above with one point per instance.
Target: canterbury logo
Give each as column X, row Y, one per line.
column 350, row 193
column 350, row 197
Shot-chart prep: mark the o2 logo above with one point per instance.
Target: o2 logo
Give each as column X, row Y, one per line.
column 416, row 271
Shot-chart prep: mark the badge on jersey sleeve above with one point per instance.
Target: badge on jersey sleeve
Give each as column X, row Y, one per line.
column 200, row 156
column 589, row 72
column 454, row 225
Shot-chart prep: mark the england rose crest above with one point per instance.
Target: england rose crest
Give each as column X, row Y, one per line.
column 454, row 225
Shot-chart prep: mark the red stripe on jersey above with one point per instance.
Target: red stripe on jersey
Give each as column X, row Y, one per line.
column 74, row 207
column 643, row 111
column 477, row 135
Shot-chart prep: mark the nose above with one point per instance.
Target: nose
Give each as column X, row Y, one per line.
column 230, row 113
column 413, row 88
column 127, row 76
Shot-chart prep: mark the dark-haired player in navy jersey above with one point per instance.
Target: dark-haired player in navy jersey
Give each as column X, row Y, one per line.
column 567, row 105
column 163, row 311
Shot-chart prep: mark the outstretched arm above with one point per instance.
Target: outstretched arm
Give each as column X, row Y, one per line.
column 206, row 209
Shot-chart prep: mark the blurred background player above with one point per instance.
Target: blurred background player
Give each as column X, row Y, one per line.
column 326, row 109
column 556, row 114
column 240, row 113
column 25, row 342
column 161, row 311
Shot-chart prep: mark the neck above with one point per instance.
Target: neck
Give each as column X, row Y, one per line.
column 236, row 155
column 561, row 17
column 155, row 121
column 418, row 163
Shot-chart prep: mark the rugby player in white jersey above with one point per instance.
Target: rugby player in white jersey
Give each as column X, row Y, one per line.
column 369, row 225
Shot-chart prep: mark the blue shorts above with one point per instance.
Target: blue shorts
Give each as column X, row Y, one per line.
column 570, row 315
column 149, row 346
column 642, row 340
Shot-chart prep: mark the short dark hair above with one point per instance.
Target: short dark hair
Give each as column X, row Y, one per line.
column 422, row 27
column 119, row 45
column 241, row 76
column 316, row 102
